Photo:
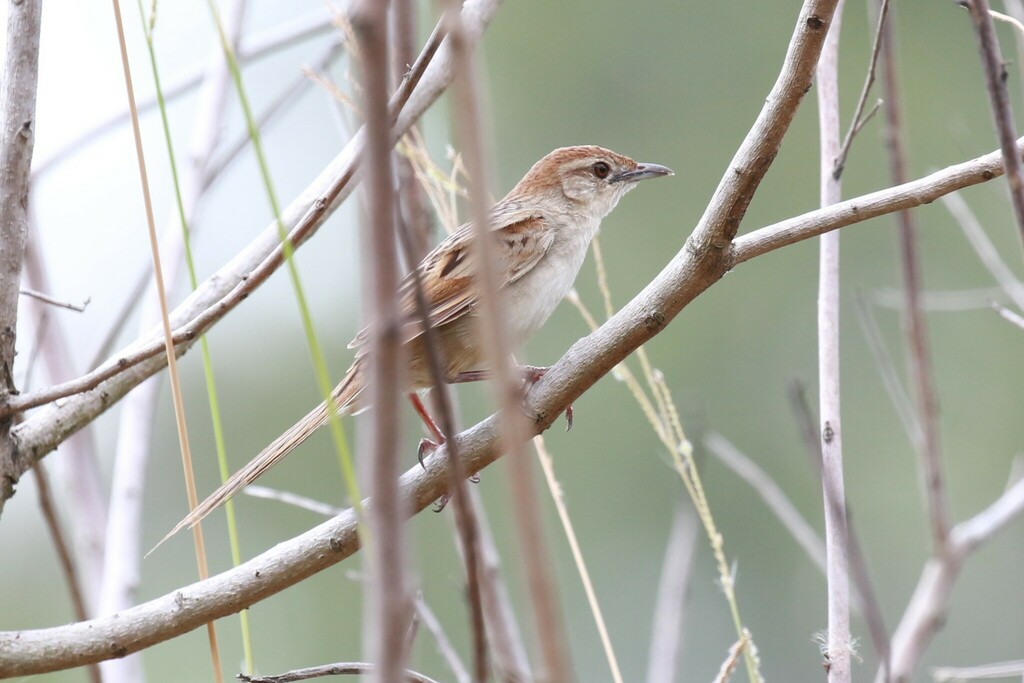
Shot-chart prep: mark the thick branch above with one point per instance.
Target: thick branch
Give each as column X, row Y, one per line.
column 17, row 126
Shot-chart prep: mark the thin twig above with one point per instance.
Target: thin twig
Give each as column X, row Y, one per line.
column 46, row 298
column 771, row 494
column 78, row 474
column 289, row 498
column 278, row 37
column 505, row 637
column 995, row 80
column 858, row 120
column 339, row 669
column 951, row 674
column 839, row 643
column 444, row 645
column 1009, row 315
column 929, row 445
column 890, row 379
column 465, row 516
column 388, row 605
column 670, row 603
column 67, row 564
column 506, row 384
column 984, row 248
column 926, row 612
column 940, row 301
column 870, row 606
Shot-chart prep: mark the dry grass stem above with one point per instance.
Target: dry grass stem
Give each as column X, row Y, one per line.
column 444, row 645
column 548, row 467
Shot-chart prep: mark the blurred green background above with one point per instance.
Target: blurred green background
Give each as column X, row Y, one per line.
column 667, row 82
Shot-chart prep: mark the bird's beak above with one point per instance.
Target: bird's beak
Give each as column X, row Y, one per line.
column 643, row 171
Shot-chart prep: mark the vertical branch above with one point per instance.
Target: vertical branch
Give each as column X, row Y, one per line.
column 995, row 80
column 930, row 449
column 838, row 644
column 514, row 429
column 388, row 608
column 77, row 471
column 413, row 207
column 17, row 128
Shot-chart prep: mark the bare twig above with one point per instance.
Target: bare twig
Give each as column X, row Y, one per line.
column 859, row 119
column 67, row 564
column 670, row 610
column 839, row 643
column 890, row 379
column 507, row 386
column 259, row 45
column 772, row 495
column 388, row 605
column 510, row 662
column 47, row 299
column 940, row 301
column 984, row 248
column 929, row 446
column 444, row 645
column 339, row 669
column 289, row 498
column 951, row 674
column 871, row 608
column 1008, row 315
column 465, row 516
column 17, row 128
column 77, row 472
column 995, row 79
column 926, row 612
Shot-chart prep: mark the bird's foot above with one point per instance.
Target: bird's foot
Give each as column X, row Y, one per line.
column 531, row 375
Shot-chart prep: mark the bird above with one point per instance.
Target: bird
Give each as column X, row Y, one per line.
column 542, row 230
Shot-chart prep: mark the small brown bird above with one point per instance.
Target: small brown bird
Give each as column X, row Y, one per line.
column 543, row 228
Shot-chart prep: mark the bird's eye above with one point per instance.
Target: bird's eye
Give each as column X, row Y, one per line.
column 601, row 169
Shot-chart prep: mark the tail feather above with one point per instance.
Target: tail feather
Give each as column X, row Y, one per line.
column 344, row 396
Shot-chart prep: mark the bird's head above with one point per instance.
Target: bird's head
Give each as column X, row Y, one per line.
column 585, row 178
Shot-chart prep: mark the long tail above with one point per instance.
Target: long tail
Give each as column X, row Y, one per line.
column 344, row 396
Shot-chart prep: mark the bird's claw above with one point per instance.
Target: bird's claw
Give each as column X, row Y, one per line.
column 531, row 375
column 425, row 448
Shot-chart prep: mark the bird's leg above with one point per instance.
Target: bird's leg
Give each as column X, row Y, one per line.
column 531, row 374
column 426, row 445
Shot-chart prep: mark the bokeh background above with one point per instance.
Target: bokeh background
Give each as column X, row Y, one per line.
column 668, row 82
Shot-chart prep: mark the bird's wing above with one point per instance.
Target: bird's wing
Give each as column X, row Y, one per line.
column 522, row 237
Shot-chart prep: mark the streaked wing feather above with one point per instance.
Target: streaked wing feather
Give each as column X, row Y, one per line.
column 447, row 271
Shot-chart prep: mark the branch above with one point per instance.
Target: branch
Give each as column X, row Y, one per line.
column 995, row 80
column 926, row 612
column 17, row 128
column 388, row 606
column 340, row 669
